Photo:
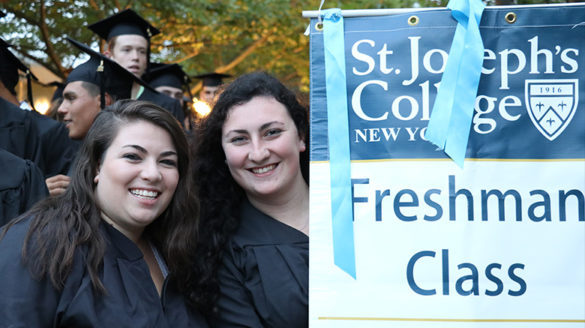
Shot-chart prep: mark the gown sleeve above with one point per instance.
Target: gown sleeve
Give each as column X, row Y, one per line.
column 58, row 149
column 33, row 186
column 21, row 186
column 236, row 308
column 263, row 279
column 24, row 300
column 130, row 300
column 18, row 134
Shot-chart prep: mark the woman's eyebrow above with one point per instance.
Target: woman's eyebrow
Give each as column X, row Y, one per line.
column 265, row 125
column 143, row 150
column 169, row 153
column 137, row 147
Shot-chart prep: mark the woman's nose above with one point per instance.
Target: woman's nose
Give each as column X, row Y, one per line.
column 151, row 171
column 259, row 152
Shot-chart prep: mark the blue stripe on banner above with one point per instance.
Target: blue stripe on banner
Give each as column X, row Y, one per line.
column 338, row 135
column 452, row 112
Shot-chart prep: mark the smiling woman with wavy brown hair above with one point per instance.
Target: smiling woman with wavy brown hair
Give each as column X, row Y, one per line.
column 114, row 249
column 251, row 168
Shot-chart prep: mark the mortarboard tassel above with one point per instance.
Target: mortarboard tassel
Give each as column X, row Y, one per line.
column 100, row 70
column 29, row 90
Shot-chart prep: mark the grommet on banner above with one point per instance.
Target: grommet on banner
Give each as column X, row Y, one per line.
column 319, row 25
column 510, row 17
column 413, row 20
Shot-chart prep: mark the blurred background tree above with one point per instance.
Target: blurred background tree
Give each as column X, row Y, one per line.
column 227, row 36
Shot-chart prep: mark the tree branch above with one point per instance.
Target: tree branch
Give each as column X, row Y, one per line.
column 189, row 56
column 21, row 15
column 236, row 61
column 42, row 63
column 94, row 5
column 240, row 58
column 50, row 49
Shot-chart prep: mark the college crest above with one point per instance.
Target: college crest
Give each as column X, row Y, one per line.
column 551, row 104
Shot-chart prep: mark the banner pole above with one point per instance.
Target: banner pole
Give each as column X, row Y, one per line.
column 395, row 11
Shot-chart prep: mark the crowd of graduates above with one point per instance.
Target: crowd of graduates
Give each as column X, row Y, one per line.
column 122, row 210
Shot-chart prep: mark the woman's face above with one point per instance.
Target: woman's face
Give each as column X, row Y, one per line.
column 137, row 177
column 262, row 145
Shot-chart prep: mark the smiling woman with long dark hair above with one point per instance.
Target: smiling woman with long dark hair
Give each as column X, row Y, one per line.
column 251, row 168
column 115, row 249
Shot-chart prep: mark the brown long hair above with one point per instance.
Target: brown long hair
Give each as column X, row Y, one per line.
column 61, row 225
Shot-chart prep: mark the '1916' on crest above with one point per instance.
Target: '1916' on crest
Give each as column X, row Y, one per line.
column 551, row 104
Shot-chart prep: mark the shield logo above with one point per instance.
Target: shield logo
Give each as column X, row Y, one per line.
column 551, row 104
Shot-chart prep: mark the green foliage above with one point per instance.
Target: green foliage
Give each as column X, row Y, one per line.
column 231, row 36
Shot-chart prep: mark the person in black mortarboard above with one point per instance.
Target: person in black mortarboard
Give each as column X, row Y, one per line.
column 128, row 37
column 55, row 150
column 21, row 181
column 18, row 133
column 211, row 83
column 58, row 149
column 9, row 67
column 171, row 80
column 90, row 87
column 168, row 79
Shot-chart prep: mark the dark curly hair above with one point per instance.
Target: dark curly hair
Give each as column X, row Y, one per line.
column 220, row 196
column 62, row 224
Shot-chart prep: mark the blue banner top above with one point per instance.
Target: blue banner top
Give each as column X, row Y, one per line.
column 530, row 98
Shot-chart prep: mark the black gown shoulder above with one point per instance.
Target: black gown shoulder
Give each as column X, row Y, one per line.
column 21, row 185
column 58, row 150
column 131, row 299
column 18, row 133
column 164, row 101
column 264, row 277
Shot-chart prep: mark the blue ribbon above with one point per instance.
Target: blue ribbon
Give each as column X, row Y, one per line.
column 452, row 112
column 338, row 135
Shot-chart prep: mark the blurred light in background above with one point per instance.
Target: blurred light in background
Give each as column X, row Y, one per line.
column 201, row 107
column 42, row 105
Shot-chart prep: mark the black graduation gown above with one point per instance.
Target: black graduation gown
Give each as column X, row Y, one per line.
column 264, row 279
column 58, row 149
column 18, row 133
column 21, row 186
column 131, row 301
column 164, row 101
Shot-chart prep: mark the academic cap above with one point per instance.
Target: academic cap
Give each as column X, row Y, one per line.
column 9, row 62
column 122, row 23
column 9, row 66
column 59, row 91
column 103, row 72
column 171, row 75
column 212, row 79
